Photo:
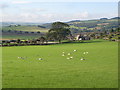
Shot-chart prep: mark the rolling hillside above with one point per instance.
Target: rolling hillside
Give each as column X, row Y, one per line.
column 101, row 24
column 76, row 26
column 22, row 32
column 29, row 28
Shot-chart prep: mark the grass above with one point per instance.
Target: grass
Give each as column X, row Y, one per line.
column 99, row 70
column 0, row 68
column 72, row 26
column 21, row 36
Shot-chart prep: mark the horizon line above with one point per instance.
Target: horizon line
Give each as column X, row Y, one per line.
column 59, row 20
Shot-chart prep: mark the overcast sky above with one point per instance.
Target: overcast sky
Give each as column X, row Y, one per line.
column 50, row 10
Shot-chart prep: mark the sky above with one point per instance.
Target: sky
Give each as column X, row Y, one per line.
column 51, row 10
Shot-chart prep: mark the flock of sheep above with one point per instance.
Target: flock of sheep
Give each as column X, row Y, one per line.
column 69, row 56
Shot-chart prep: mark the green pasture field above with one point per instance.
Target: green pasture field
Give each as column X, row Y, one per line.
column 20, row 36
column 72, row 26
column 98, row 70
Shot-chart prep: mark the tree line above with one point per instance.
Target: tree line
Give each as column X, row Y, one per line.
column 61, row 31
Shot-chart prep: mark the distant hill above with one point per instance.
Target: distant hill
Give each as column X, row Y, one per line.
column 29, row 28
column 74, row 21
column 19, row 23
column 116, row 18
column 47, row 25
column 101, row 24
column 76, row 26
column 103, row 18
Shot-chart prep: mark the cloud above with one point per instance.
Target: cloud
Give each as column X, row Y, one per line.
column 43, row 17
column 73, row 0
column 51, row 17
column 102, row 15
column 68, row 17
column 0, row 17
column 20, row 2
column 4, row 5
column 36, row 10
column 81, row 15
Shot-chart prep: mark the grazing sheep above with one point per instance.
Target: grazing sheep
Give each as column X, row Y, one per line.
column 68, row 53
column 71, row 57
column 63, row 52
column 74, row 50
column 84, row 53
column 82, row 59
column 68, row 58
column 63, row 55
column 19, row 57
column 40, row 59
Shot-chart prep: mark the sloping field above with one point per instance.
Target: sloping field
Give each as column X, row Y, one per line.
column 26, row 28
column 23, row 68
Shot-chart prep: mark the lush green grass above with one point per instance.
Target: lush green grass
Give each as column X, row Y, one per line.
column 99, row 70
column 72, row 26
column 0, row 68
column 21, row 36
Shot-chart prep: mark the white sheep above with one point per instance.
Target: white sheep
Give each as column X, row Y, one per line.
column 19, row 57
column 74, row 50
column 39, row 58
column 68, row 58
column 84, row 53
column 71, row 57
column 68, row 53
column 82, row 59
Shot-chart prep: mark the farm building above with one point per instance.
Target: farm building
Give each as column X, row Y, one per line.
column 82, row 37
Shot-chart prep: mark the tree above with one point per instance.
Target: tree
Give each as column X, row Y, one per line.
column 118, row 29
column 20, row 32
column 42, row 39
column 92, row 35
column 9, row 30
column 32, row 32
column 18, row 41
column 26, row 32
column 59, row 31
column 38, row 32
column 110, row 36
column 105, row 32
column 41, row 26
column 18, row 25
column 101, row 35
column 111, row 30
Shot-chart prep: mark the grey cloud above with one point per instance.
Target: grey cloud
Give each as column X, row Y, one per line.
column 4, row 5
